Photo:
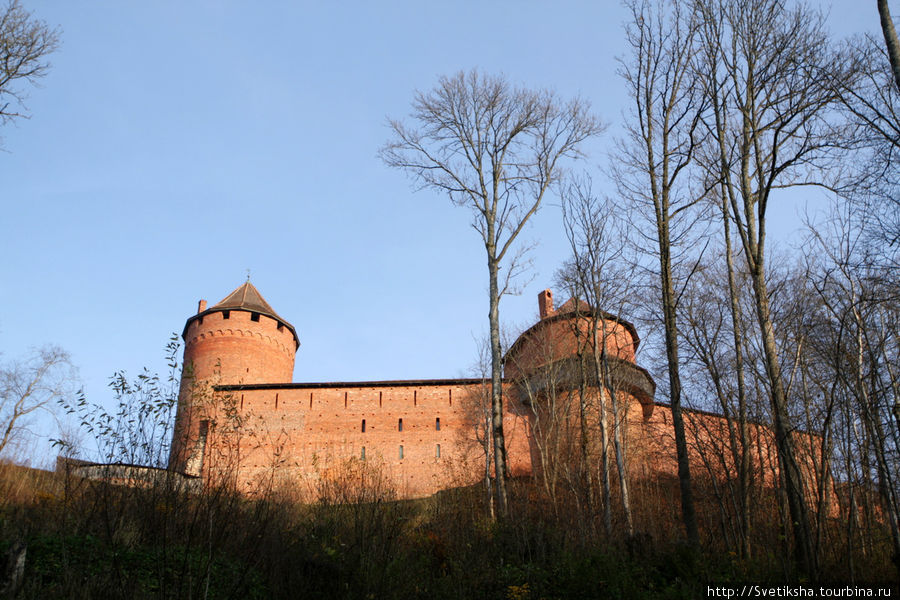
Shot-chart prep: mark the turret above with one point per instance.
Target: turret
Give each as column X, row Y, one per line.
column 239, row 340
column 555, row 343
column 564, row 332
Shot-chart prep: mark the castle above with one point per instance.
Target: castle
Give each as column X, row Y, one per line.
column 240, row 415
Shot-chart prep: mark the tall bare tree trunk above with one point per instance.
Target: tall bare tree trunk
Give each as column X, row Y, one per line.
column 608, row 385
column 584, row 439
column 660, row 147
column 500, row 470
column 742, row 459
column 787, row 454
column 744, row 443
column 890, row 39
column 604, row 461
column 684, row 466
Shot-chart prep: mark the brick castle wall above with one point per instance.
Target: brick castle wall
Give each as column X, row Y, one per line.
column 240, row 418
column 422, row 435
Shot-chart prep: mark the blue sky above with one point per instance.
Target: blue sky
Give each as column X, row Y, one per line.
column 173, row 145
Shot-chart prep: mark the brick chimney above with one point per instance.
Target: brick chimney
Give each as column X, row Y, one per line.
column 201, row 306
column 545, row 303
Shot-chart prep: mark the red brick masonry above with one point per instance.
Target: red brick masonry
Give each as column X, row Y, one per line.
column 240, row 417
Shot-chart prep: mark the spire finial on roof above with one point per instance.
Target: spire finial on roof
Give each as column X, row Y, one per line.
column 248, row 275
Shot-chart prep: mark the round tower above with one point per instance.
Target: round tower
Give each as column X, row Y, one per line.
column 240, row 340
column 564, row 368
column 553, row 344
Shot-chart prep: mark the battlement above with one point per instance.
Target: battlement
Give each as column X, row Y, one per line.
column 223, row 323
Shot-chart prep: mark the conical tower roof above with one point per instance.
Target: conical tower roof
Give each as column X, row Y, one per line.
column 245, row 297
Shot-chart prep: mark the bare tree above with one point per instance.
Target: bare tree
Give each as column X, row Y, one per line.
column 29, row 386
column 715, row 333
column 25, row 44
column 872, row 102
column 597, row 274
column 861, row 353
column 773, row 75
column 717, row 159
column 654, row 158
column 496, row 150
column 478, row 416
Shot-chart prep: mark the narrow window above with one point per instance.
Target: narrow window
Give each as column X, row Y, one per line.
column 401, row 452
column 280, row 326
column 437, row 424
column 363, row 425
column 276, row 401
column 226, row 314
column 254, row 317
column 415, row 397
column 362, row 453
column 345, row 399
column 379, row 399
column 242, row 402
column 399, row 424
column 437, row 451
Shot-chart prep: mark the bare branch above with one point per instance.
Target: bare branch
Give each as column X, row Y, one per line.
column 25, row 44
column 31, row 385
column 496, row 150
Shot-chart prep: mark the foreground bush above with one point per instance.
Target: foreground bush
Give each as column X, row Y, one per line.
column 88, row 539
